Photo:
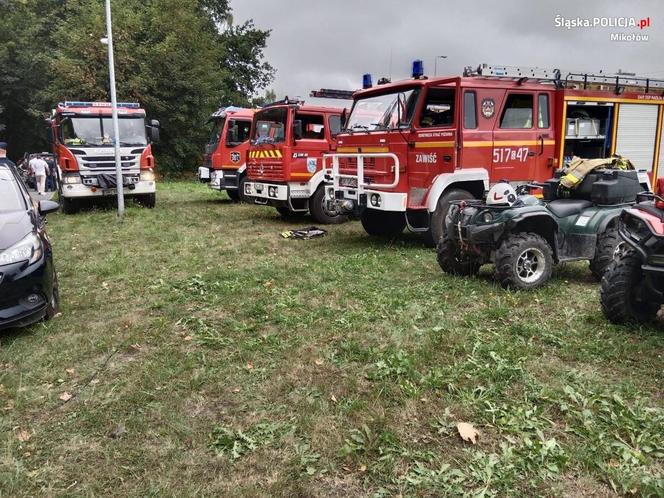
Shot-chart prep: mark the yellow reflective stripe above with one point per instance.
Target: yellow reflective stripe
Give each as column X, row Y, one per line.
column 612, row 99
column 506, row 143
column 279, row 154
column 431, row 145
column 301, row 175
column 366, row 150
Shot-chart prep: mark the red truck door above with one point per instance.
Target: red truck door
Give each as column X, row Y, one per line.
column 308, row 150
column 516, row 147
column 546, row 148
column 434, row 150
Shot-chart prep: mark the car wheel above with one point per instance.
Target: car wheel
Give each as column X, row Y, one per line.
column 609, row 246
column 524, row 261
column 453, row 260
column 437, row 222
column 322, row 212
column 620, row 293
column 70, row 206
column 383, row 223
column 147, row 200
column 53, row 307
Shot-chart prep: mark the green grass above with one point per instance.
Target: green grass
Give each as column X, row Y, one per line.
column 206, row 355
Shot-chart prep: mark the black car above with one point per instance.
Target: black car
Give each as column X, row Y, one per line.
column 28, row 283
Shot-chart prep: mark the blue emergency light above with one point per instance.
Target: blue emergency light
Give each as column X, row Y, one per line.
column 418, row 69
column 366, row 81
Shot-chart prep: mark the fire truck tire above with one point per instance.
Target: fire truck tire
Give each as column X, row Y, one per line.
column 620, row 289
column 383, row 223
column 453, row 260
column 70, row 206
column 609, row 246
column 233, row 195
column 437, row 223
column 147, row 200
column 524, row 261
column 240, row 189
column 318, row 207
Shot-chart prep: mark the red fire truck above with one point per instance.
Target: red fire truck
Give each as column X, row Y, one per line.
column 410, row 147
column 225, row 162
column 82, row 138
column 285, row 165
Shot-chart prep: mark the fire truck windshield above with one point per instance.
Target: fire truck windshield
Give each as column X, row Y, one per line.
column 383, row 112
column 98, row 131
column 215, row 132
column 270, row 125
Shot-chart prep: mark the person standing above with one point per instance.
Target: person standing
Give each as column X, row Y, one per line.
column 39, row 169
column 3, row 155
column 50, row 174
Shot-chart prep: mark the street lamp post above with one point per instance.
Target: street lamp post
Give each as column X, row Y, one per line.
column 114, row 106
column 435, row 64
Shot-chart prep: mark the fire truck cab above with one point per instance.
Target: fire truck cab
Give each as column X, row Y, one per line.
column 285, row 165
column 225, row 161
column 410, row 147
column 82, row 138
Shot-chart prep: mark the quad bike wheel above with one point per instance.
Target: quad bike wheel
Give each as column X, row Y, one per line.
column 609, row 247
column 383, row 223
column 620, row 292
column 454, row 261
column 524, row 261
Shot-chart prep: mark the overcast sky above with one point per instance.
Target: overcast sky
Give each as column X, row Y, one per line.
column 330, row 44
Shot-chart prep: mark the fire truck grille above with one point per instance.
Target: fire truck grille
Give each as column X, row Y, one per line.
column 266, row 171
column 350, row 163
column 107, row 162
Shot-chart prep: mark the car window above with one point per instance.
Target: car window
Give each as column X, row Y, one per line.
column 518, row 112
column 335, row 125
column 469, row 111
column 438, row 109
column 543, row 110
column 11, row 197
column 313, row 126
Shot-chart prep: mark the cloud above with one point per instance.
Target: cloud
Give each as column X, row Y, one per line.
column 318, row 44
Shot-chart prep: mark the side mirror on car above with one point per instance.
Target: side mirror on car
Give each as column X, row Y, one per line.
column 297, row 129
column 46, row 207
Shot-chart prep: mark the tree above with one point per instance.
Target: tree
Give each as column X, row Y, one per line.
column 179, row 58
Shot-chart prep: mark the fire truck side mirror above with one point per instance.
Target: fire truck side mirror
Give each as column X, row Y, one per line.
column 154, row 134
column 343, row 119
column 297, row 129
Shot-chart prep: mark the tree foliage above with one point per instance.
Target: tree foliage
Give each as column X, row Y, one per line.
column 180, row 59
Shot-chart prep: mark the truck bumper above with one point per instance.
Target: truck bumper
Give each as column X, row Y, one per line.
column 350, row 200
column 79, row 191
column 262, row 191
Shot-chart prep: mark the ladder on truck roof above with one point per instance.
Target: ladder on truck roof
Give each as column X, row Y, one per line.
column 619, row 81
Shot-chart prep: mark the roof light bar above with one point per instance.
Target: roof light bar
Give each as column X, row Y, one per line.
column 74, row 103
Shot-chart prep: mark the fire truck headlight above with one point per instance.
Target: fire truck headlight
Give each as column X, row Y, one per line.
column 147, row 175
column 68, row 178
column 272, row 191
column 247, row 189
column 375, row 200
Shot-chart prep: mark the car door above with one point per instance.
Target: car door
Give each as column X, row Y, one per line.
column 515, row 139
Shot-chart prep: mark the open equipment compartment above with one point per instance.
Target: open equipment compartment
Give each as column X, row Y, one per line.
column 588, row 129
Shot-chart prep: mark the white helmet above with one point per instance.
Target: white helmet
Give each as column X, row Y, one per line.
column 501, row 194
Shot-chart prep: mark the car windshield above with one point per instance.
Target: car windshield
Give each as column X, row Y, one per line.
column 11, row 198
column 95, row 131
column 383, row 112
column 270, row 125
column 216, row 130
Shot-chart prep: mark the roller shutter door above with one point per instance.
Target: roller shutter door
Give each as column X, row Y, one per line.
column 635, row 137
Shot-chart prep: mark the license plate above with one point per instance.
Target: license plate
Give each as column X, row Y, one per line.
column 348, row 182
column 110, row 191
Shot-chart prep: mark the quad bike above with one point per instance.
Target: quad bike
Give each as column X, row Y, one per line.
column 524, row 236
column 633, row 286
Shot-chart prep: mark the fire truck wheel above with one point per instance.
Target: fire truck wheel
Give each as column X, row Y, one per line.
column 70, row 206
column 437, row 223
column 234, row 195
column 609, row 247
column 318, row 207
column 147, row 200
column 621, row 289
column 453, row 260
column 383, row 223
column 240, row 189
column 524, row 261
